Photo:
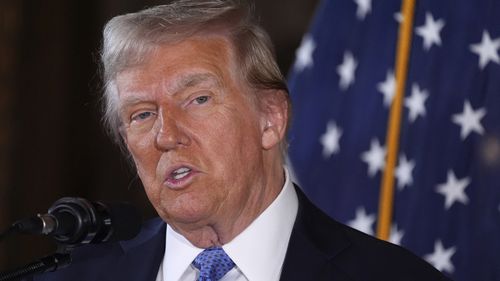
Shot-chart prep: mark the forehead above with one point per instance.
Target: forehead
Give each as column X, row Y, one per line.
column 196, row 60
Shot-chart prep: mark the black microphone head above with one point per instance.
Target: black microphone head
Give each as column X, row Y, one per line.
column 82, row 222
column 124, row 222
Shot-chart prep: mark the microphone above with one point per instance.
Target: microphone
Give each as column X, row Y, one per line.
column 74, row 221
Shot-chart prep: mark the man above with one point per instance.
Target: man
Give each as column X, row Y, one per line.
column 195, row 97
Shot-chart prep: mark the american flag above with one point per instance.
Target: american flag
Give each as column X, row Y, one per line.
column 447, row 176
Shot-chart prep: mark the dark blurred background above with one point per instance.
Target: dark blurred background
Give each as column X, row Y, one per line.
column 51, row 141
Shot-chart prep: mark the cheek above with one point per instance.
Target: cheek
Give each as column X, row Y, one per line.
column 145, row 157
column 231, row 133
column 234, row 143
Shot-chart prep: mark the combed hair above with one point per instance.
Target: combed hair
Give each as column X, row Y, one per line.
column 130, row 38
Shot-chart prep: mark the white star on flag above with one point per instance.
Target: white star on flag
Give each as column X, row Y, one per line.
column 487, row 50
column 430, row 31
column 363, row 222
column 375, row 157
column 346, row 70
column 453, row 190
column 396, row 235
column 441, row 257
column 304, row 54
column 388, row 88
column 469, row 120
column 416, row 102
column 330, row 139
column 398, row 17
column 364, row 7
column 404, row 171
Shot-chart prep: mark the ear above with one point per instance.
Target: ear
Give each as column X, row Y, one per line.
column 274, row 120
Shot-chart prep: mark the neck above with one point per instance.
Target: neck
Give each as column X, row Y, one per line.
column 229, row 224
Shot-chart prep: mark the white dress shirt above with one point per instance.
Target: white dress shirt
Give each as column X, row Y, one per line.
column 258, row 252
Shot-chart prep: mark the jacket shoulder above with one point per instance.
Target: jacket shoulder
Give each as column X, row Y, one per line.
column 112, row 261
column 353, row 255
column 369, row 258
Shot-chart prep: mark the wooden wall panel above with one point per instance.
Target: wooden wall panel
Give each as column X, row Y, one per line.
column 10, row 21
column 51, row 140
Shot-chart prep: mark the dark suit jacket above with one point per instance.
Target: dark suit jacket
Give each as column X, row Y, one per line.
column 319, row 249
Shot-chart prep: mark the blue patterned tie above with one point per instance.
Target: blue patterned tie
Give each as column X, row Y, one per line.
column 213, row 264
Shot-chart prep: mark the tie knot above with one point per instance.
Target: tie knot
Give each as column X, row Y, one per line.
column 213, row 263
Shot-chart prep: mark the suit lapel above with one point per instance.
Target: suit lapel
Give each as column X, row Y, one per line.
column 143, row 255
column 303, row 261
column 315, row 242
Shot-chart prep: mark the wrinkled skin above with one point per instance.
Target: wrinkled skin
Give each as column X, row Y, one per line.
column 206, row 150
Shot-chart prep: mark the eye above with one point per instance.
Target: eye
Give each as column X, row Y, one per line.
column 201, row 99
column 142, row 116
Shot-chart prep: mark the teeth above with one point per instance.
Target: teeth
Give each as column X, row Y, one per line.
column 180, row 173
column 181, row 170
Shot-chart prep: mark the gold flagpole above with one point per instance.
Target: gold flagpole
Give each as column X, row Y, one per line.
column 392, row 137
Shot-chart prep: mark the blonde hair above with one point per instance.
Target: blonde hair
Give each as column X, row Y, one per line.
column 129, row 38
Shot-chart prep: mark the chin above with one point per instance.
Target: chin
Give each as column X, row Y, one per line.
column 184, row 213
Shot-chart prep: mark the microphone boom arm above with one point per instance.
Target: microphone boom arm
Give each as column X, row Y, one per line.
column 45, row 264
column 73, row 222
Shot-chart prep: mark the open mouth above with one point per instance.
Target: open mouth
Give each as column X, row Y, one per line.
column 180, row 173
column 180, row 177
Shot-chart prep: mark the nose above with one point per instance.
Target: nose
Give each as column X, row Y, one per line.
column 171, row 134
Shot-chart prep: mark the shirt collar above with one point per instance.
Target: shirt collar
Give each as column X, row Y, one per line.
column 179, row 254
column 258, row 251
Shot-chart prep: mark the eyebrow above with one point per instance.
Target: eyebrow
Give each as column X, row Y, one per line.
column 186, row 81
column 132, row 100
column 192, row 80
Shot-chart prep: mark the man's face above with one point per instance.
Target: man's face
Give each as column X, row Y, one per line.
column 195, row 133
